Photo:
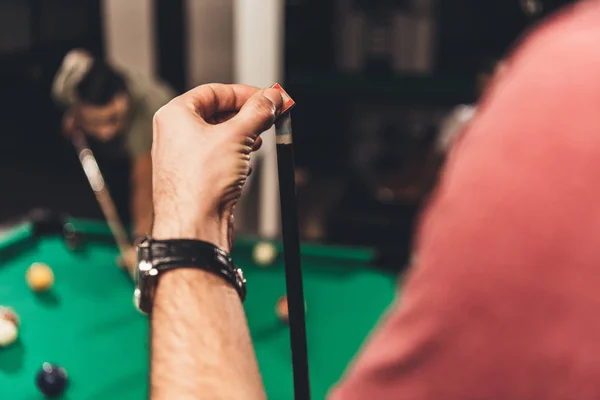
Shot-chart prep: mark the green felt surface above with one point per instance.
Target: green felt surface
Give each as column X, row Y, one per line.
column 87, row 322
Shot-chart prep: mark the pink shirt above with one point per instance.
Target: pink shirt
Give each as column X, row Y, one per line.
column 504, row 302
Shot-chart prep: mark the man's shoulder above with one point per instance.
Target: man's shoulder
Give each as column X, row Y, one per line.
column 554, row 68
column 570, row 37
column 148, row 95
column 142, row 86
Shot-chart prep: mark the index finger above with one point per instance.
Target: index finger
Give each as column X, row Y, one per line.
column 214, row 98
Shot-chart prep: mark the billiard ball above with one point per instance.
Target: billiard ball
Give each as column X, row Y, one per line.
column 51, row 380
column 71, row 236
column 264, row 254
column 8, row 333
column 40, row 277
column 281, row 309
column 8, row 314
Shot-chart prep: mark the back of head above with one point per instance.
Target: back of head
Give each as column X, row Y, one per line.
column 100, row 85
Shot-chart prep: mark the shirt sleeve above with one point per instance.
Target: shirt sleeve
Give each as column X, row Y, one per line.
column 503, row 301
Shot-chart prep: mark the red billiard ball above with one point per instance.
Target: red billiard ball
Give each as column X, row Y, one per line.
column 281, row 309
column 8, row 314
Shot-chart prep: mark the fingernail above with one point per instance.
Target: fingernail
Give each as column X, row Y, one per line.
column 274, row 96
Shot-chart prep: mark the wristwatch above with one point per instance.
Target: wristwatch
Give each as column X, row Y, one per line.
column 155, row 257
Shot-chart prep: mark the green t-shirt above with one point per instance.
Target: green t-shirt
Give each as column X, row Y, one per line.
column 147, row 96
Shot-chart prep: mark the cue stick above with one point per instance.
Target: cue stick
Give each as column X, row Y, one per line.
column 96, row 180
column 291, row 248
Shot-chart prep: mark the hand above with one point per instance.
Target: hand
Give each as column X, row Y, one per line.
column 127, row 260
column 69, row 125
column 201, row 158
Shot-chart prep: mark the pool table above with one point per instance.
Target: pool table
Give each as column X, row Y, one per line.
column 87, row 322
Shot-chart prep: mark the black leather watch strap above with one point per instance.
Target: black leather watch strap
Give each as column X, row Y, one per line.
column 165, row 255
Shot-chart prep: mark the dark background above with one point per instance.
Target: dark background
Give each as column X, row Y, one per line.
column 37, row 166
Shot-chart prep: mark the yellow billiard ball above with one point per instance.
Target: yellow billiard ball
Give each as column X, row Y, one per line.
column 40, row 277
column 264, row 254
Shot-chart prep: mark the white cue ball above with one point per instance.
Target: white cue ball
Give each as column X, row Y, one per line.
column 264, row 254
column 8, row 314
column 8, row 333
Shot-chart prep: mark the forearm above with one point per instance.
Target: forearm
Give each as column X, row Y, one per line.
column 142, row 213
column 141, row 196
column 201, row 346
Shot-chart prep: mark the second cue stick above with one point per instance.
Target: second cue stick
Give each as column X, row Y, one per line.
column 96, row 180
column 291, row 254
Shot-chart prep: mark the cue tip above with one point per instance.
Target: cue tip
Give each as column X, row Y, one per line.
column 288, row 102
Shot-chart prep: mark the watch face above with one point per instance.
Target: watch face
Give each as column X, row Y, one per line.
column 146, row 281
column 137, row 294
column 136, row 276
column 145, row 277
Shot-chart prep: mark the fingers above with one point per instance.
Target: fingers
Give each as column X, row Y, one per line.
column 257, row 144
column 69, row 125
column 258, row 113
column 214, row 98
column 221, row 117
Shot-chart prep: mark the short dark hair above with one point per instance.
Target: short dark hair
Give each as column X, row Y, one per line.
column 100, row 85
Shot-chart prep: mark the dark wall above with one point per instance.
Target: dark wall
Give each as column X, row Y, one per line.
column 171, row 35
column 470, row 30
column 39, row 33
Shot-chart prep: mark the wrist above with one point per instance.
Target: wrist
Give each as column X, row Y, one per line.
column 159, row 258
column 171, row 283
column 206, row 228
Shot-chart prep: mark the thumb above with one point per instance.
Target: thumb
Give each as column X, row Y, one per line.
column 257, row 114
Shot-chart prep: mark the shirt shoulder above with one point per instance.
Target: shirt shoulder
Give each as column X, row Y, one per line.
column 559, row 55
column 549, row 86
column 148, row 93
column 148, row 96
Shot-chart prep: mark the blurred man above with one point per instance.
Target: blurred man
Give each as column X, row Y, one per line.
column 114, row 108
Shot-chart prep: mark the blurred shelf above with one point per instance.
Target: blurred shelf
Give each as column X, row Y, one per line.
column 405, row 88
